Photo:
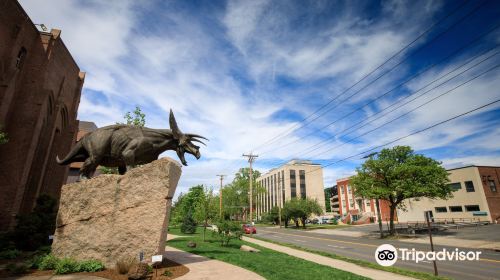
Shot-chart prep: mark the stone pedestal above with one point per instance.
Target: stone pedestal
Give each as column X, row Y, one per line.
column 110, row 217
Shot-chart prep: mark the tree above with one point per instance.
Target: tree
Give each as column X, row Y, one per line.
column 188, row 224
column 300, row 210
column 186, row 203
column 273, row 216
column 397, row 174
column 138, row 119
column 206, row 208
column 235, row 196
column 328, row 195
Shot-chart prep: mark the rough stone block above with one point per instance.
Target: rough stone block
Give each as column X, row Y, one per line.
column 111, row 217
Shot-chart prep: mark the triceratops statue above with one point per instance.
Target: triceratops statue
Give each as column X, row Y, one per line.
column 125, row 146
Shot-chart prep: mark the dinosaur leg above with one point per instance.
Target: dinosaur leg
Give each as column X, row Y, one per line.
column 122, row 169
column 88, row 169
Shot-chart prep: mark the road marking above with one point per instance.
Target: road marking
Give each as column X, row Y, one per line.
column 327, row 239
column 299, row 240
column 348, row 242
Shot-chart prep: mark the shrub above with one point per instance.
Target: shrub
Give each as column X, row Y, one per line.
column 9, row 254
column 90, row 266
column 227, row 230
column 188, row 224
column 167, row 273
column 124, row 265
column 66, row 265
column 48, row 262
column 33, row 229
column 17, row 268
column 335, row 221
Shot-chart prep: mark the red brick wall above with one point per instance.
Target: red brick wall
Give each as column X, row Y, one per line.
column 492, row 198
column 38, row 105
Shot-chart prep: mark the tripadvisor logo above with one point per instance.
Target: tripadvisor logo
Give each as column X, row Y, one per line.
column 387, row 255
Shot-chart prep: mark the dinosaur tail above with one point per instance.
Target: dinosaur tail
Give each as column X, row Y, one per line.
column 70, row 157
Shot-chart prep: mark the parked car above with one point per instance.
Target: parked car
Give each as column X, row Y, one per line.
column 249, row 229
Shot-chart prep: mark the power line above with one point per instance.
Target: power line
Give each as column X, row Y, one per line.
column 325, row 141
column 418, row 96
column 389, row 91
column 385, row 62
column 399, row 117
column 409, row 135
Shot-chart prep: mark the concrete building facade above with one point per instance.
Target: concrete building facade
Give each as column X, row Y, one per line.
column 475, row 197
column 295, row 179
column 355, row 209
column 40, row 88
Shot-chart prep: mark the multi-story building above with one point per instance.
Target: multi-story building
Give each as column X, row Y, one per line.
column 40, row 88
column 475, row 197
column 355, row 209
column 295, row 179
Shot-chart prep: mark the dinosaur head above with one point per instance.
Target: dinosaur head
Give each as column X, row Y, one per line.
column 185, row 141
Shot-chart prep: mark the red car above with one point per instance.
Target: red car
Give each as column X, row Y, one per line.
column 249, row 229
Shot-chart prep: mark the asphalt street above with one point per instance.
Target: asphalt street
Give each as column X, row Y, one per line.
column 363, row 248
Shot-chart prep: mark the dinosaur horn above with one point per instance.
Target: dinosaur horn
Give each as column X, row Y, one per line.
column 173, row 126
column 196, row 135
column 198, row 140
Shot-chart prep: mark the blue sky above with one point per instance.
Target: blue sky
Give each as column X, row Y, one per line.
column 244, row 72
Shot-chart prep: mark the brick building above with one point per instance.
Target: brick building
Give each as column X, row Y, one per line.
column 355, row 209
column 40, row 88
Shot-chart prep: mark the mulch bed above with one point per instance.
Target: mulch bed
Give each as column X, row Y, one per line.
column 176, row 270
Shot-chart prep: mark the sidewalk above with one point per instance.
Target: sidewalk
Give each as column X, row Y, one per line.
column 205, row 268
column 337, row 264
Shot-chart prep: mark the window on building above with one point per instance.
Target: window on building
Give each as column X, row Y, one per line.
column 441, row 210
column 293, row 184
column 456, row 209
column 469, row 186
column 21, row 55
column 471, row 208
column 455, row 186
column 302, row 177
column 493, row 186
column 367, row 203
column 283, row 186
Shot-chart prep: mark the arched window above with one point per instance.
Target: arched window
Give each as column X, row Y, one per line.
column 20, row 58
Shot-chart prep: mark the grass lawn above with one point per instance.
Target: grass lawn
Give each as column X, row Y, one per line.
column 397, row 270
column 268, row 263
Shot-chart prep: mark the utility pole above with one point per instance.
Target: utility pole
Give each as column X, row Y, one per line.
column 251, row 158
column 220, row 195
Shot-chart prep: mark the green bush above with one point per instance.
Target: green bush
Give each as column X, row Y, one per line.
column 90, row 266
column 33, row 229
column 227, row 230
column 48, row 262
column 17, row 268
column 66, row 265
column 188, row 224
column 9, row 254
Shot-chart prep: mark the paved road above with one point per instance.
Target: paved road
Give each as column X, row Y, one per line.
column 364, row 248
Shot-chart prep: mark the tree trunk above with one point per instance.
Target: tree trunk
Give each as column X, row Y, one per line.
column 204, row 229
column 296, row 223
column 391, row 223
column 303, row 222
